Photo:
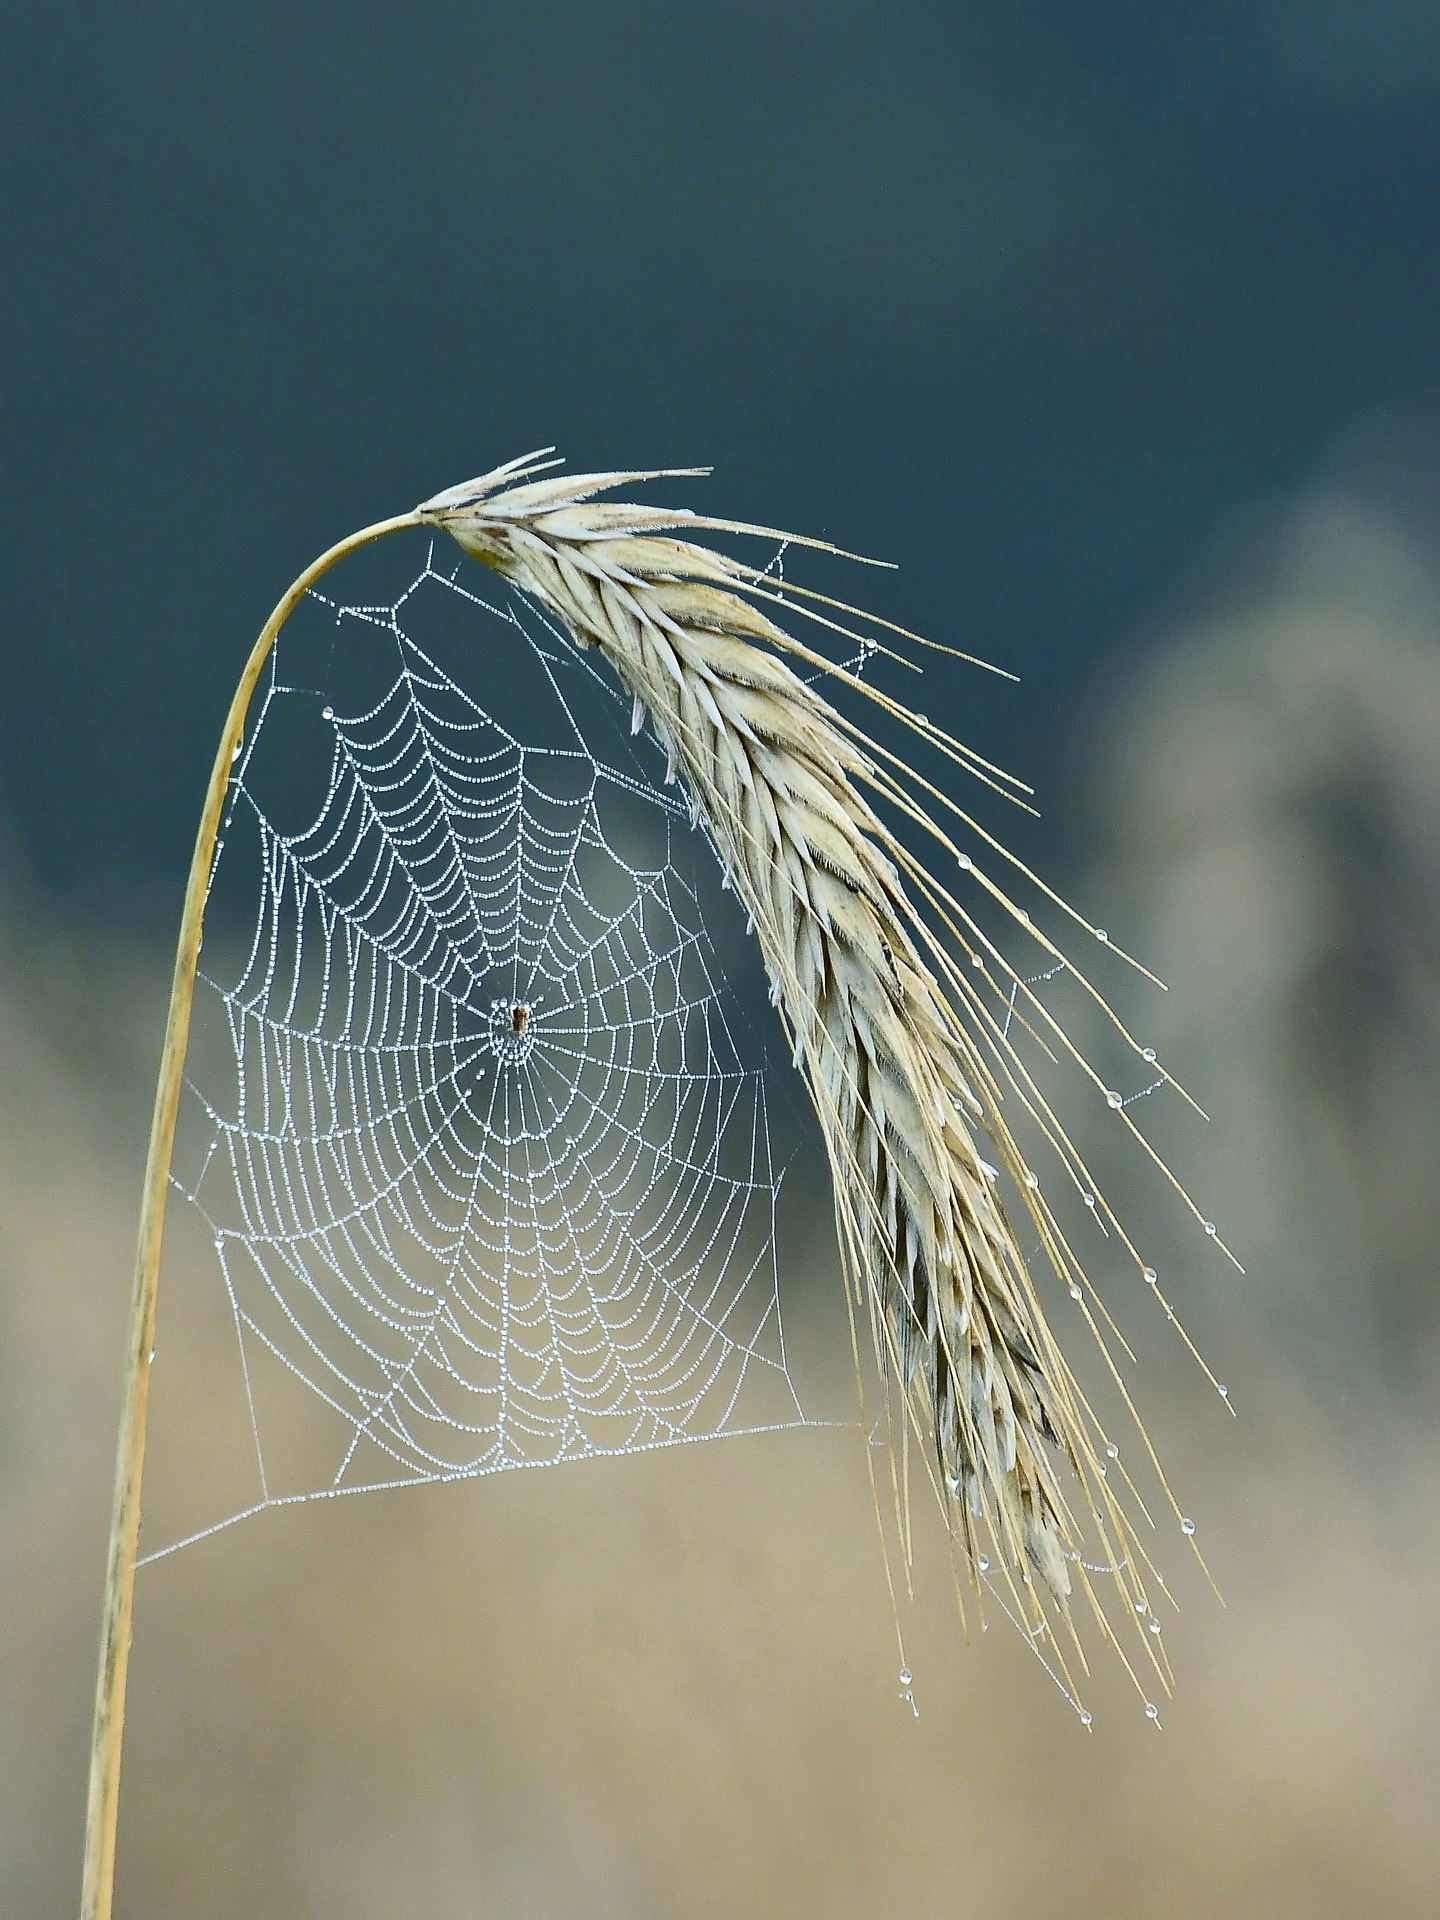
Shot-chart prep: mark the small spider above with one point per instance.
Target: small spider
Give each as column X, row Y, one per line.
column 512, row 1030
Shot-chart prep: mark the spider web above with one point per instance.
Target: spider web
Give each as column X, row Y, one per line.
column 475, row 1123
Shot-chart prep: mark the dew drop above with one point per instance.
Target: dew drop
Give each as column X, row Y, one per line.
column 1112, row 1452
column 1224, row 1393
column 151, row 1361
column 1187, row 1526
column 1139, row 1606
column 1074, row 1293
column 1210, row 1227
column 1031, row 1181
column 977, row 959
column 1151, row 1277
column 1086, row 1717
column 1113, row 1100
column 1148, row 1054
column 1021, row 915
column 964, row 862
column 1101, row 934
column 1151, row 1712
column 237, row 749
column 983, row 1563
column 327, row 713
column 905, row 1676
column 1089, row 1199
column 1154, row 1626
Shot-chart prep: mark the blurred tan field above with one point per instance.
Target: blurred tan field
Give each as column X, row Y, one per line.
column 667, row 1685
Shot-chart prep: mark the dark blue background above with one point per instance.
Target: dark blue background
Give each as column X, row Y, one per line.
column 1036, row 299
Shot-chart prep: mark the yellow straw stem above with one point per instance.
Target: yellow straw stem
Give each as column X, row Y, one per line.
column 99, row 1876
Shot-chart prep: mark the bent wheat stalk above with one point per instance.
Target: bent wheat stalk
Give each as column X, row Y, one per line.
column 102, row 1808
column 907, row 1060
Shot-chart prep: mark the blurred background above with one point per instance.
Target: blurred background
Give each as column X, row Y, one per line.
column 1116, row 328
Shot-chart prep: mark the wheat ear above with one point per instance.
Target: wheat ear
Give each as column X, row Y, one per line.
column 903, row 1081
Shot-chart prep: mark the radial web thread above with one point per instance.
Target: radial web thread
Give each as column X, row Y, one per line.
column 480, row 1131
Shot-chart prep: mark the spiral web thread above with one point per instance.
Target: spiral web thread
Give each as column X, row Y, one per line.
column 491, row 1171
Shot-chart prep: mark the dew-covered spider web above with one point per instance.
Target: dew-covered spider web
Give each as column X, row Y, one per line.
column 475, row 1124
